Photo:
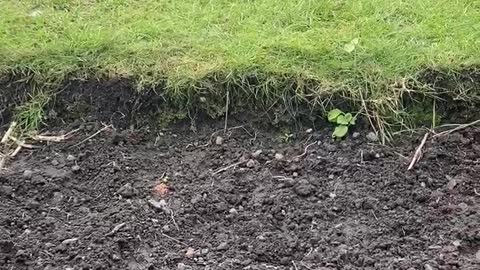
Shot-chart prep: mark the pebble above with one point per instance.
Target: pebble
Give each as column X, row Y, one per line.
column 356, row 135
column 295, row 174
column 303, row 188
column 76, row 168
column 233, row 211
column 70, row 158
column 162, row 204
column 308, row 131
column 256, row 154
column 27, row 174
column 427, row 267
column 278, row 156
column 126, row 190
column 251, row 163
column 182, row 266
column 372, row 137
column 222, row 246
column 6, row 190
column 69, row 241
column 57, row 197
column 219, row 140
column 331, row 176
column 166, row 229
column 55, row 162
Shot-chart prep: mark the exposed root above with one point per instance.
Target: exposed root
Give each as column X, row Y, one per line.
column 304, row 151
column 59, row 138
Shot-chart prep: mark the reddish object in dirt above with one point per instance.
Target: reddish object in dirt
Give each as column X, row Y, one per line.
column 161, row 190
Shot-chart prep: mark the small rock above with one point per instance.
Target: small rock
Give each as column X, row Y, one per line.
column 377, row 155
column 233, row 211
column 303, row 188
column 219, row 140
column 222, row 246
column 162, row 204
column 126, row 190
column 452, row 182
column 55, row 162
column 278, row 156
column 308, row 131
column 256, row 154
column 427, row 267
column 6, row 190
column 76, row 168
column 251, row 163
column 166, row 229
column 372, row 137
column 27, row 174
column 69, row 241
column 70, row 158
column 463, row 206
column 295, row 174
column 331, row 176
column 190, row 253
column 356, row 135
column 57, row 197
column 204, row 251
column 182, row 266
column 33, row 204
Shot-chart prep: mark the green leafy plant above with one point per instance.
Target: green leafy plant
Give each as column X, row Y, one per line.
column 342, row 121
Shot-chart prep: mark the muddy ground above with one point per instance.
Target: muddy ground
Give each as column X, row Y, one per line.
column 174, row 199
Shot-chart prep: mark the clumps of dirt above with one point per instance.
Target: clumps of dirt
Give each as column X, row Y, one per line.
column 156, row 202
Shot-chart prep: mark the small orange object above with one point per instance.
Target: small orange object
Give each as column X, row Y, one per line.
column 161, row 190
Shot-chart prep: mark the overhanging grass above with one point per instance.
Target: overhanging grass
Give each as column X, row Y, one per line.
column 184, row 42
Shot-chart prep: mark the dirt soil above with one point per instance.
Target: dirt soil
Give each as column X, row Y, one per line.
column 139, row 199
column 182, row 200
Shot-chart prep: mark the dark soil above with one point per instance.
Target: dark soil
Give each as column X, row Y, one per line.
column 342, row 205
column 133, row 198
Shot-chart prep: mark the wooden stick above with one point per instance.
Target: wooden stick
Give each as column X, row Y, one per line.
column 418, row 152
column 9, row 132
column 16, row 151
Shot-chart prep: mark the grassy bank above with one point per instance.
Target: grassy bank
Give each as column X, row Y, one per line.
column 362, row 49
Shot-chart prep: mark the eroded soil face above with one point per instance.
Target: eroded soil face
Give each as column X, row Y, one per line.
column 134, row 200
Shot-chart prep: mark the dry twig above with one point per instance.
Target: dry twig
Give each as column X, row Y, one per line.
column 59, row 138
column 228, row 167
column 9, row 132
column 94, row 134
column 418, row 152
column 456, row 129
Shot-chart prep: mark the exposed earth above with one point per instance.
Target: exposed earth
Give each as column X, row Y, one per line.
column 241, row 199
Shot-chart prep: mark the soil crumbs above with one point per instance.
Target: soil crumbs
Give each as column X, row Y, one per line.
column 179, row 200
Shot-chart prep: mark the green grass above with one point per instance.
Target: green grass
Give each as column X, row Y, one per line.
column 185, row 43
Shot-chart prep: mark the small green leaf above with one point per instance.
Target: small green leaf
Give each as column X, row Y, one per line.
column 349, row 47
column 340, row 131
column 348, row 117
column 341, row 120
column 353, row 121
column 333, row 114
